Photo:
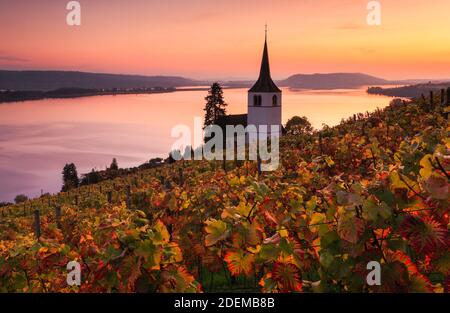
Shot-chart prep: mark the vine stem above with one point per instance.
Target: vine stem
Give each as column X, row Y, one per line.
column 441, row 167
column 409, row 187
column 377, row 243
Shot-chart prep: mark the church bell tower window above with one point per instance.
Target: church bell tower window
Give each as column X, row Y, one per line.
column 257, row 100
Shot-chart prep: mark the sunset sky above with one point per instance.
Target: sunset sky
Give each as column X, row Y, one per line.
column 207, row 39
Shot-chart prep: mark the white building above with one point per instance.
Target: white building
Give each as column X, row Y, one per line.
column 264, row 98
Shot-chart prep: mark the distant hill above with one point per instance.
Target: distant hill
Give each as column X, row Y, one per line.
column 411, row 91
column 51, row 80
column 332, row 81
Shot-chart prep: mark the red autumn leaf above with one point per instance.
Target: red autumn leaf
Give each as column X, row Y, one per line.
column 287, row 276
column 350, row 228
column 424, row 234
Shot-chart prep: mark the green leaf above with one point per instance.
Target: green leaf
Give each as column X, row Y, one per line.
column 378, row 214
column 216, row 231
column 269, row 252
column 326, row 259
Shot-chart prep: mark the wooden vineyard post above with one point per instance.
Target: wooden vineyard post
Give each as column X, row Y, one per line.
column 235, row 149
column 448, row 96
column 37, row 224
column 259, row 165
column 76, row 200
column 58, row 216
column 431, row 100
column 109, row 196
column 167, row 185
column 180, row 176
column 320, row 142
column 442, row 96
column 423, row 102
column 128, row 194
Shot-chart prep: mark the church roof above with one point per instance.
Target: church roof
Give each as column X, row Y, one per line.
column 236, row 119
column 265, row 82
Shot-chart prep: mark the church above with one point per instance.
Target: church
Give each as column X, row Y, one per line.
column 263, row 103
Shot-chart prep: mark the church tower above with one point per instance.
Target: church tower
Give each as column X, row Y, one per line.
column 264, row 98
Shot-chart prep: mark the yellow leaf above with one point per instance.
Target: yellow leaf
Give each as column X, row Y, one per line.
column 283, row 233
column 161, row 235
column 329, row 161
column 254, row 250
column 317, row 218
column 216, row 230
column 234, row 181
column 426, row 167
column 43, row 249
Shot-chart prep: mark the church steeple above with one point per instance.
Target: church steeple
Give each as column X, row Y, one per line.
column 265, row 82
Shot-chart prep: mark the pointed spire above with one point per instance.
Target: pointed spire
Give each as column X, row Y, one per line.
column 266, row 33
column 264, row 82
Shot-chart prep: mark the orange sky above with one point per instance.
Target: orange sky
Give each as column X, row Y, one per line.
column 208, row 39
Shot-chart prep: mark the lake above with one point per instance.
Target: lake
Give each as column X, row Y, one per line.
column 38, row 137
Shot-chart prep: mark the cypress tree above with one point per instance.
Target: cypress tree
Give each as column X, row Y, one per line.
column 215, row 105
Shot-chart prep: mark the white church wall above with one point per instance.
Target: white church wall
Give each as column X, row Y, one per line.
column 266, row 114
column 266, row 98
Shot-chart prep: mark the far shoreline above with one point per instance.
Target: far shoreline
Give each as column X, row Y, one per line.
column 74, row 93
column 23, row 96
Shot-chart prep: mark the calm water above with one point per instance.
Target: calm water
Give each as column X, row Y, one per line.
column 38, row 137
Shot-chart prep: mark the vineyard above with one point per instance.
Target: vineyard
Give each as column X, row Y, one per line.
column 373, row 188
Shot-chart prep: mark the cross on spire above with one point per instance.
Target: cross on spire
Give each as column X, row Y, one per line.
column 266, row 30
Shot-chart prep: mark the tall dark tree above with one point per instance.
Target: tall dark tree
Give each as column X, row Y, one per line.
column 114, row 166
column 298, row 125
column 215, row 104
column 93, row 177
column 70, row 177
column 20, row 199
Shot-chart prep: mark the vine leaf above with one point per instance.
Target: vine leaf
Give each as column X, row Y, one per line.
column 287, row 276
column 216, row 231
column 161, row 235
column 424, row 234
column 417, row 281
column 239, row 262
column 437, row 186
column 350, row 228
column 426, row 166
